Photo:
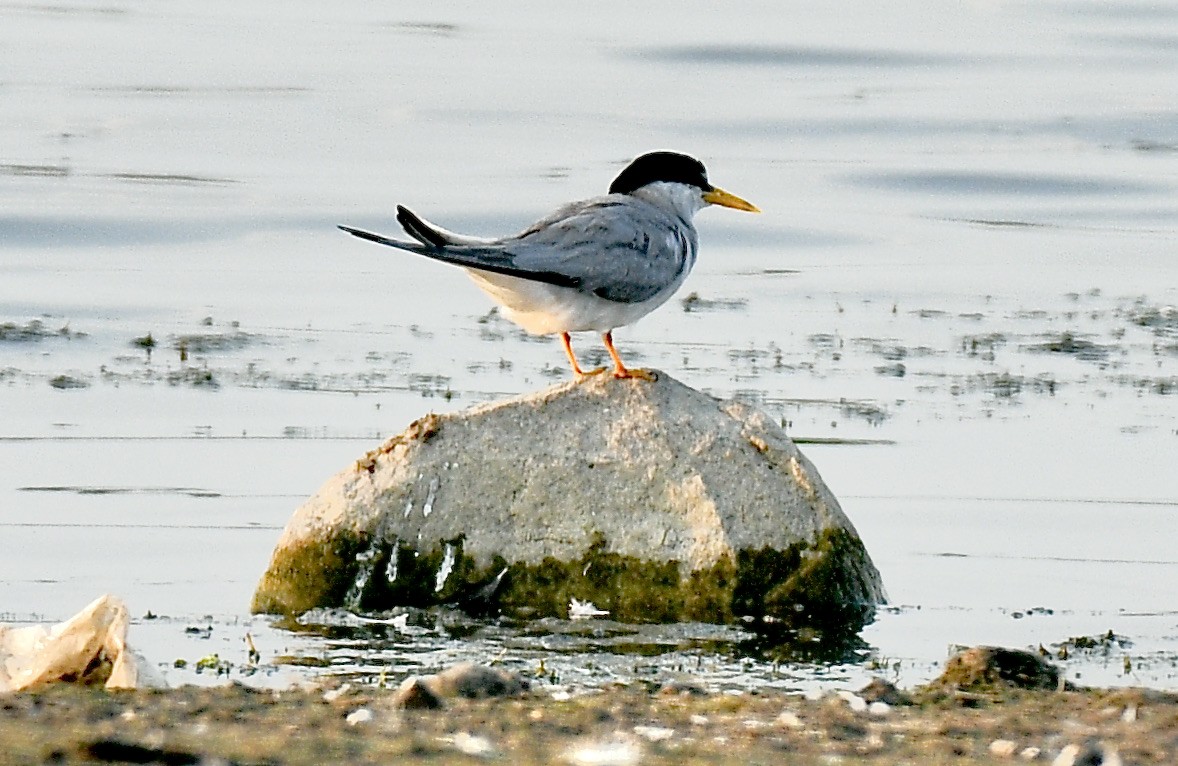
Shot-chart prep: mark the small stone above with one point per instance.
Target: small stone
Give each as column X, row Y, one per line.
column 880, row 690
column 1003, row 748
column 620, row 752
column 1087, row 755
column 698, row 720
column 654, row 733
column 790, row 720
column 414, row 694
column 1029, row 753
column 1130, row 714
column 361, row 715
column 879, row 709
column 473, row 745
column 854, row 701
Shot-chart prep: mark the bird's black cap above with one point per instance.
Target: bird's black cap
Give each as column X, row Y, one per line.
column 661, row 166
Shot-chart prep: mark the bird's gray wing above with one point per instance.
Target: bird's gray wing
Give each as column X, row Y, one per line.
column 615, row 247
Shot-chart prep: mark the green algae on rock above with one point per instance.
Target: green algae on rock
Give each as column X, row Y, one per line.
column 652, row 501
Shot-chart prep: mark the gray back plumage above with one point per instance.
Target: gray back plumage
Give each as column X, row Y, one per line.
column 617, row 247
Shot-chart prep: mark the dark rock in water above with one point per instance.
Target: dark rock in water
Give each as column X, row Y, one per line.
column 985, row 667
column 650, row 501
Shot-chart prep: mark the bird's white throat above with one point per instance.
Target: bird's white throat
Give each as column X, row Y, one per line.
column 681, row 199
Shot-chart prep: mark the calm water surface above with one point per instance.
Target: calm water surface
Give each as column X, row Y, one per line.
column 968, row 260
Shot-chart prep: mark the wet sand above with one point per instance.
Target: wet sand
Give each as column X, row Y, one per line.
column 618, row 726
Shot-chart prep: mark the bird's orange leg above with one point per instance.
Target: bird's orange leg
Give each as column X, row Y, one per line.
column 568, row 349
column 620, row 370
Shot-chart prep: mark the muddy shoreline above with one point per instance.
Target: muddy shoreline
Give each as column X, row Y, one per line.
column 619, row 725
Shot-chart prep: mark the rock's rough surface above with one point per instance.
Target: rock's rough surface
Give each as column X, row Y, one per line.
column 650, row 500
column 987, row 667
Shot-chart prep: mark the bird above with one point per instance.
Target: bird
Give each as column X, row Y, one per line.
column 592, row 265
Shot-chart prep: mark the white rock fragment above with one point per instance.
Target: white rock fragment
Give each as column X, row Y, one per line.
column 618, row 752
column 879, row 709
column 474, row 745
column 1029, row 753
column 358, row 716
column 699, row 720
column 1076, row 755
column 1130, row 714
column 854, row 701
column 654, row 733
column 789, row 720
column 1003, row 748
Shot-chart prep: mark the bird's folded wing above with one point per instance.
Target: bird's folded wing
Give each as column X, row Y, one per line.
column 618, row 251
column 615, row 250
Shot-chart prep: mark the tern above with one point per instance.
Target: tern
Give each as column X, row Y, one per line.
column 597, row 264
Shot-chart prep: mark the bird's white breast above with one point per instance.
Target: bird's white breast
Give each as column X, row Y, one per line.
column 544, row 309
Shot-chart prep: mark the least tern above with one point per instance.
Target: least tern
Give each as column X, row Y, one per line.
column 597, row 264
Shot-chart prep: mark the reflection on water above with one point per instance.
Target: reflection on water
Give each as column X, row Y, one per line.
column 960, row 298
column 408, row 641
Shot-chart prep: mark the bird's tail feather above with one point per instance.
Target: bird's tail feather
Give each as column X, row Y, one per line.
column 419, row 229
column 380, row 239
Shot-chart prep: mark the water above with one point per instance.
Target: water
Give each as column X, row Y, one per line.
column 961, row 292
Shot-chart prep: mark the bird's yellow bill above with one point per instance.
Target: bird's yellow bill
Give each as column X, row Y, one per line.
column 718, row 196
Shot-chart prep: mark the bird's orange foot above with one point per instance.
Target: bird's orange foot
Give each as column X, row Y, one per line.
column 582, row 374
column 626, row 372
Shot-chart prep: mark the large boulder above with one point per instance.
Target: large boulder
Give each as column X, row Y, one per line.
column 651, row 500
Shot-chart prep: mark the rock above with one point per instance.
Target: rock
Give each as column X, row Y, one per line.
column 620, row 751
column 1091, row 754
column 879, row 690
column 361, row 715
column 983, row 667
column 1003, row 748
column 653, row 501
column 683, row 688
column 476, row 682
column 463, row 680
column 415, row 694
